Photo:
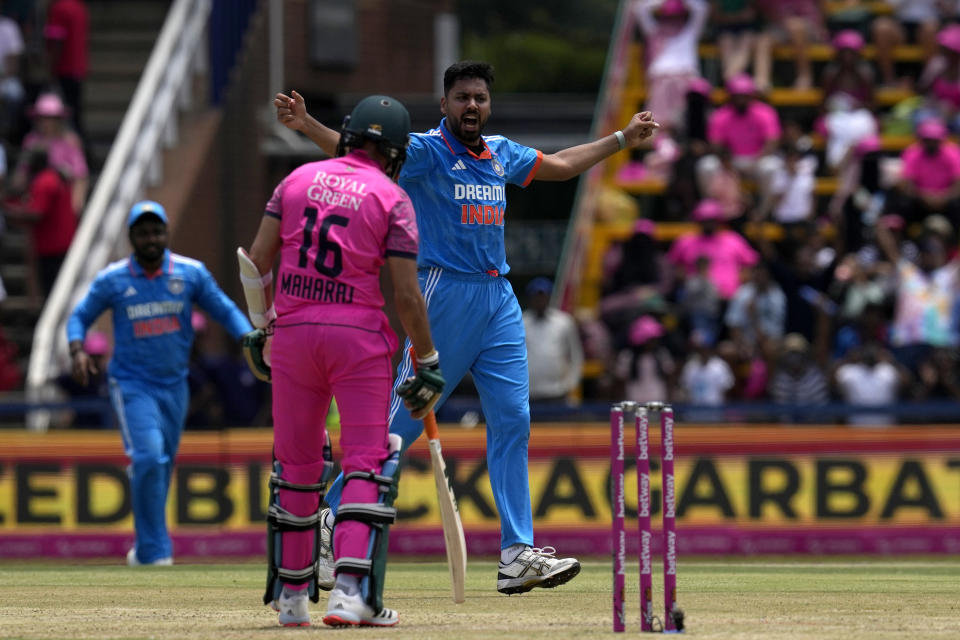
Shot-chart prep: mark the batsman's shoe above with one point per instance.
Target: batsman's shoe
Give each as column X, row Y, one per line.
column 292, row 607
column 351, row 611
column 132, row 560
column 325, row 577
column 536, row 568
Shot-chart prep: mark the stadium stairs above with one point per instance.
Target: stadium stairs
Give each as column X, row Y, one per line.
column 122, row 34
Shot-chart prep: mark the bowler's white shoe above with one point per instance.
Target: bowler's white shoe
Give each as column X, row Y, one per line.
column 536, row 568
column 159, row 562
column 325, row 576
column 292, row 607
column 351, row 611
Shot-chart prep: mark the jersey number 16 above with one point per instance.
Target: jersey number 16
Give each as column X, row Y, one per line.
column 324, row 244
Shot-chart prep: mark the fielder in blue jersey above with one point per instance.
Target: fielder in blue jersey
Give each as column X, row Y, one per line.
column 151, row 295
column 456, row 178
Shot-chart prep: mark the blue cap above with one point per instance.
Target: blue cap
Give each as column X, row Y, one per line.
column 144, row 207
column 539, row 285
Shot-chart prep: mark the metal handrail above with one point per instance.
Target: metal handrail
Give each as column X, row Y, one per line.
column 134, row 162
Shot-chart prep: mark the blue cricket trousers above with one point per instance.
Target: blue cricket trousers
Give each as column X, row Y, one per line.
column 151, row 420
column 477, row 326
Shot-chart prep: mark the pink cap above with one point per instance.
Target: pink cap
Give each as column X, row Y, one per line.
column 672, row 8
column 708, row 210
column 644, row 226
column 96, row 343
column 49, row 105
column 643, row 329
column 949, row 37
column 741, row 84
column 198, row 321
column 700, row 85
column 931, row 129
column 848, row 39
column 892, row 221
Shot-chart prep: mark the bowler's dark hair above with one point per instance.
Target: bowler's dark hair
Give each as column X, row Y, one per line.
column 467, row 69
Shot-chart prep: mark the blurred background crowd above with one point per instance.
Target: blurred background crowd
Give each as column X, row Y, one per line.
column 788, row 238
column 790, row 235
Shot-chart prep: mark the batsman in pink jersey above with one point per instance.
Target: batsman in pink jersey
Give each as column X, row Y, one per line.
column 334, row 224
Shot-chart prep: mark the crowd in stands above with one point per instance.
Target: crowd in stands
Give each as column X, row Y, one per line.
column 785, row 292
column 43, row 163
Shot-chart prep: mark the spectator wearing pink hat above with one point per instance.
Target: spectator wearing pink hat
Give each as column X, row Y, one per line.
column 848, row 73
column 64, row 147
column 940, row 80
column 912, row 21
column 672, row 30
column 645, row 368
column 930, row 175
column 748, row 128
column 728, row 252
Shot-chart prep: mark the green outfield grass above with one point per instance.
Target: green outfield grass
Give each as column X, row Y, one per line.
column 755, row 598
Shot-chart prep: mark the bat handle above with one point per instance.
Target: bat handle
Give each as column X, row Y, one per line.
column 429, row 420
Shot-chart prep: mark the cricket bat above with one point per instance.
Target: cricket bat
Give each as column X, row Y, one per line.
column 449, row 513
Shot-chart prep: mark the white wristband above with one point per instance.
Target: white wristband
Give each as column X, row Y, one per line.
column 621, row 139
column 432, row 359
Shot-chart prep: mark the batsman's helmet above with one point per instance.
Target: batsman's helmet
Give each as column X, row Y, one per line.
column 383, row 120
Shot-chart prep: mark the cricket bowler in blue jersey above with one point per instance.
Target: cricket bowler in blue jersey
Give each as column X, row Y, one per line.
column 456, row 178
column 151, row 296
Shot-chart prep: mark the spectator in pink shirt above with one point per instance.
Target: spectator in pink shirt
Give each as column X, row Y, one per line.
column 749, row 128
column 930, row 176
column 64, row 147
column 727, row 251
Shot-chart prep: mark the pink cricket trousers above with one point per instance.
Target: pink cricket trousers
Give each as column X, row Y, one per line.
column 311, row 363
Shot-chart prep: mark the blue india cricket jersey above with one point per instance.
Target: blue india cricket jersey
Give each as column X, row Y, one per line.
column 460, row 197
column 151, row 315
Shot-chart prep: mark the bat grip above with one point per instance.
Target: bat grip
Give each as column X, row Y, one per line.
column 429, row 420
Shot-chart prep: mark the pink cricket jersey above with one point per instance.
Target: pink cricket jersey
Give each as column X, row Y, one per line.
column 340, row 219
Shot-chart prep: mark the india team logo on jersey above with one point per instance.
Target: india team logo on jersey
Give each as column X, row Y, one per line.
column 497, row 167
column 175, row 285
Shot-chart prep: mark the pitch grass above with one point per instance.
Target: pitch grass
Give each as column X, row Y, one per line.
column 732, row 598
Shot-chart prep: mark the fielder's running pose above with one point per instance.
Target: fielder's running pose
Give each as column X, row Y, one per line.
column 457, row 180
column 334, row 224
column 151, row 296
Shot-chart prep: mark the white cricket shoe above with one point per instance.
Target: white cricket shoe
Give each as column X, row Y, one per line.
column 292, row 607
column 325, row 577
column 535, row 568
column 351, row 611
column 132, row 560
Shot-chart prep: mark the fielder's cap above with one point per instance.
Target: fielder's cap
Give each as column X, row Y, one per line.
column 741, row 85
column 708, row 210
column 96, row 343
column 49, row 105
column 848, row 39
column 643, row 329
column 144, row 207
column 672, row 8
column 949, row 37
column 931, row 129
column 539, row 285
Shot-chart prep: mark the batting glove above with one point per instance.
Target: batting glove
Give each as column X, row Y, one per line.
column 254, row 345
column 421, row 392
